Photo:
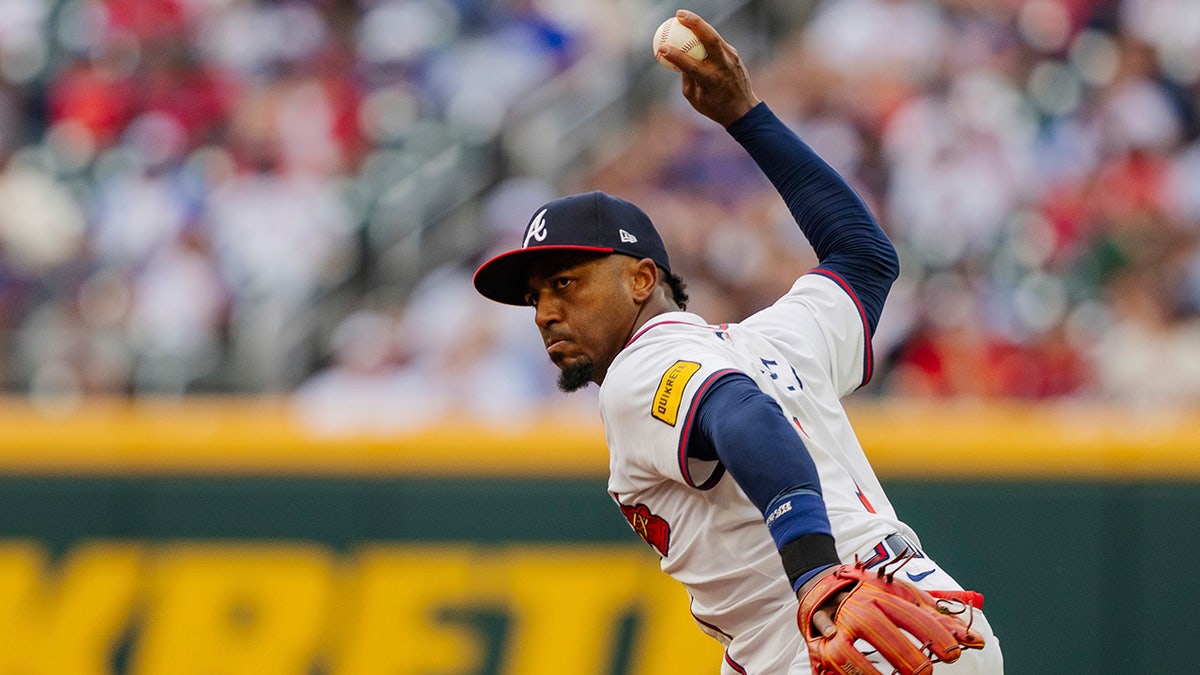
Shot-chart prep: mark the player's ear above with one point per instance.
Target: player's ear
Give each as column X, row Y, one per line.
column 643, row 279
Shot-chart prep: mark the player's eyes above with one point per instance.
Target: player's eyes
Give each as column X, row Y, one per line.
column 558, row 283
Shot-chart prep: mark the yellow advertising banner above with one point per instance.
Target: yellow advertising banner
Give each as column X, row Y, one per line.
column 290, row 608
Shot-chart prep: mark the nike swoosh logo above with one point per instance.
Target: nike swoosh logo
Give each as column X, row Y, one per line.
column 917, row 577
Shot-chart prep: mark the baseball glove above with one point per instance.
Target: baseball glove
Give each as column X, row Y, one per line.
column 876, row 610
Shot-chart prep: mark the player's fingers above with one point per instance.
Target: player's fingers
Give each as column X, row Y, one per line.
column 677, row 57
column 823, row 621
column 709, row 69
column 708, row 36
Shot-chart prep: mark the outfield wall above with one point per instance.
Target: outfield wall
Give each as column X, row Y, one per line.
column 218, row 536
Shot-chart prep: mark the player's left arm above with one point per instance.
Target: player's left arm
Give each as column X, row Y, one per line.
column 745, row 429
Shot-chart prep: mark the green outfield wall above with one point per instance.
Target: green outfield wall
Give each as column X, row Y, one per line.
column 221, row 537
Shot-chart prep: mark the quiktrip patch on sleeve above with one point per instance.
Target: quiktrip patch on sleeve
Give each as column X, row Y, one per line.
column 669, row 395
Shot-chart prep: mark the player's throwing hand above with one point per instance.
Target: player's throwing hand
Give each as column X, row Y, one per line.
column 719, row 86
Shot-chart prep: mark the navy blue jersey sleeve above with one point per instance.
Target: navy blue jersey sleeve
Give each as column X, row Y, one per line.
column 843, row 233
column 739, row 425
column 743, row 428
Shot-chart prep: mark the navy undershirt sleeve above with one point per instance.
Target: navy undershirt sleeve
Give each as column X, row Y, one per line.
column 739, row 425
column 843, row 233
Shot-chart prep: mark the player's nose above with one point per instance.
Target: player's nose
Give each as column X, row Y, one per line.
column 547, row 312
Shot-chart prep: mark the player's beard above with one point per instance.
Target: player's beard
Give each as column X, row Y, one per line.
column 575, row 375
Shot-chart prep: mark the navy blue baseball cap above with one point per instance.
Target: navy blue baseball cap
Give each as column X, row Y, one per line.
column 593, row 221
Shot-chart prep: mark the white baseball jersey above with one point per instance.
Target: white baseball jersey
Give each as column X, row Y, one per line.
column 806, row 351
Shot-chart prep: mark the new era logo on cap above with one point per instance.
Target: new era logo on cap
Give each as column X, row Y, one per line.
column 592, row 221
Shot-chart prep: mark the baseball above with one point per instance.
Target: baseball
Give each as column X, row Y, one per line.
column 673, row 33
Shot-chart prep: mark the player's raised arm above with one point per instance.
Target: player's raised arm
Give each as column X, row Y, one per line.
column 848, row 241
column 844, row 234
column 744, row 428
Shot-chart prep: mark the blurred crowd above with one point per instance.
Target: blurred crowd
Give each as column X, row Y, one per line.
column 289, row 197
column 195, row 193
column 1036, row 162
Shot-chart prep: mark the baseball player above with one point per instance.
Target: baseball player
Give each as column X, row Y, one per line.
column 730, row 452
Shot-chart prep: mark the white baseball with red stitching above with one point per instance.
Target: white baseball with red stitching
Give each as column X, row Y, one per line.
column 673, row 33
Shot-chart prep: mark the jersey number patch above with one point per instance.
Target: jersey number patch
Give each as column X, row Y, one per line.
column 669, row 396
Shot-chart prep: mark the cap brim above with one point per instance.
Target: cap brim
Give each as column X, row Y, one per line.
column 505, row 278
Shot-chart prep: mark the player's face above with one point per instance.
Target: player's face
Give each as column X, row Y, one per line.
column 585, row 310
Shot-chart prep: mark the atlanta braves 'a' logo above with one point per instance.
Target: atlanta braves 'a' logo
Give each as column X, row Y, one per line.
column 537, row 229
column 651, row 528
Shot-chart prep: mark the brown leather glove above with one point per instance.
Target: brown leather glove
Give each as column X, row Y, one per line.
column 879, row 609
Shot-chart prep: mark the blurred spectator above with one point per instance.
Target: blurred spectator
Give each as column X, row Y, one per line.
column 41, row 222
column 279, row 242
column 97, row 92
column 451, row 355
column 175, row 315
column 368, row 387
column 476, row 358
column 879, row 52
column 1150, row 356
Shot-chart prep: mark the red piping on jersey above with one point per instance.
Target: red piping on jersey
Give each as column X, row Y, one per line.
column 868, row 358
column 709, row 626
column 734, row 664
column 862, row 497
column 687, row 432
column 648, row 326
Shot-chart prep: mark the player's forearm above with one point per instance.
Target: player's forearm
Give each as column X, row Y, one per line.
column 844, row 234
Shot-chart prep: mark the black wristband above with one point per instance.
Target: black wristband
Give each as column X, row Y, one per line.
column 806, row 553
